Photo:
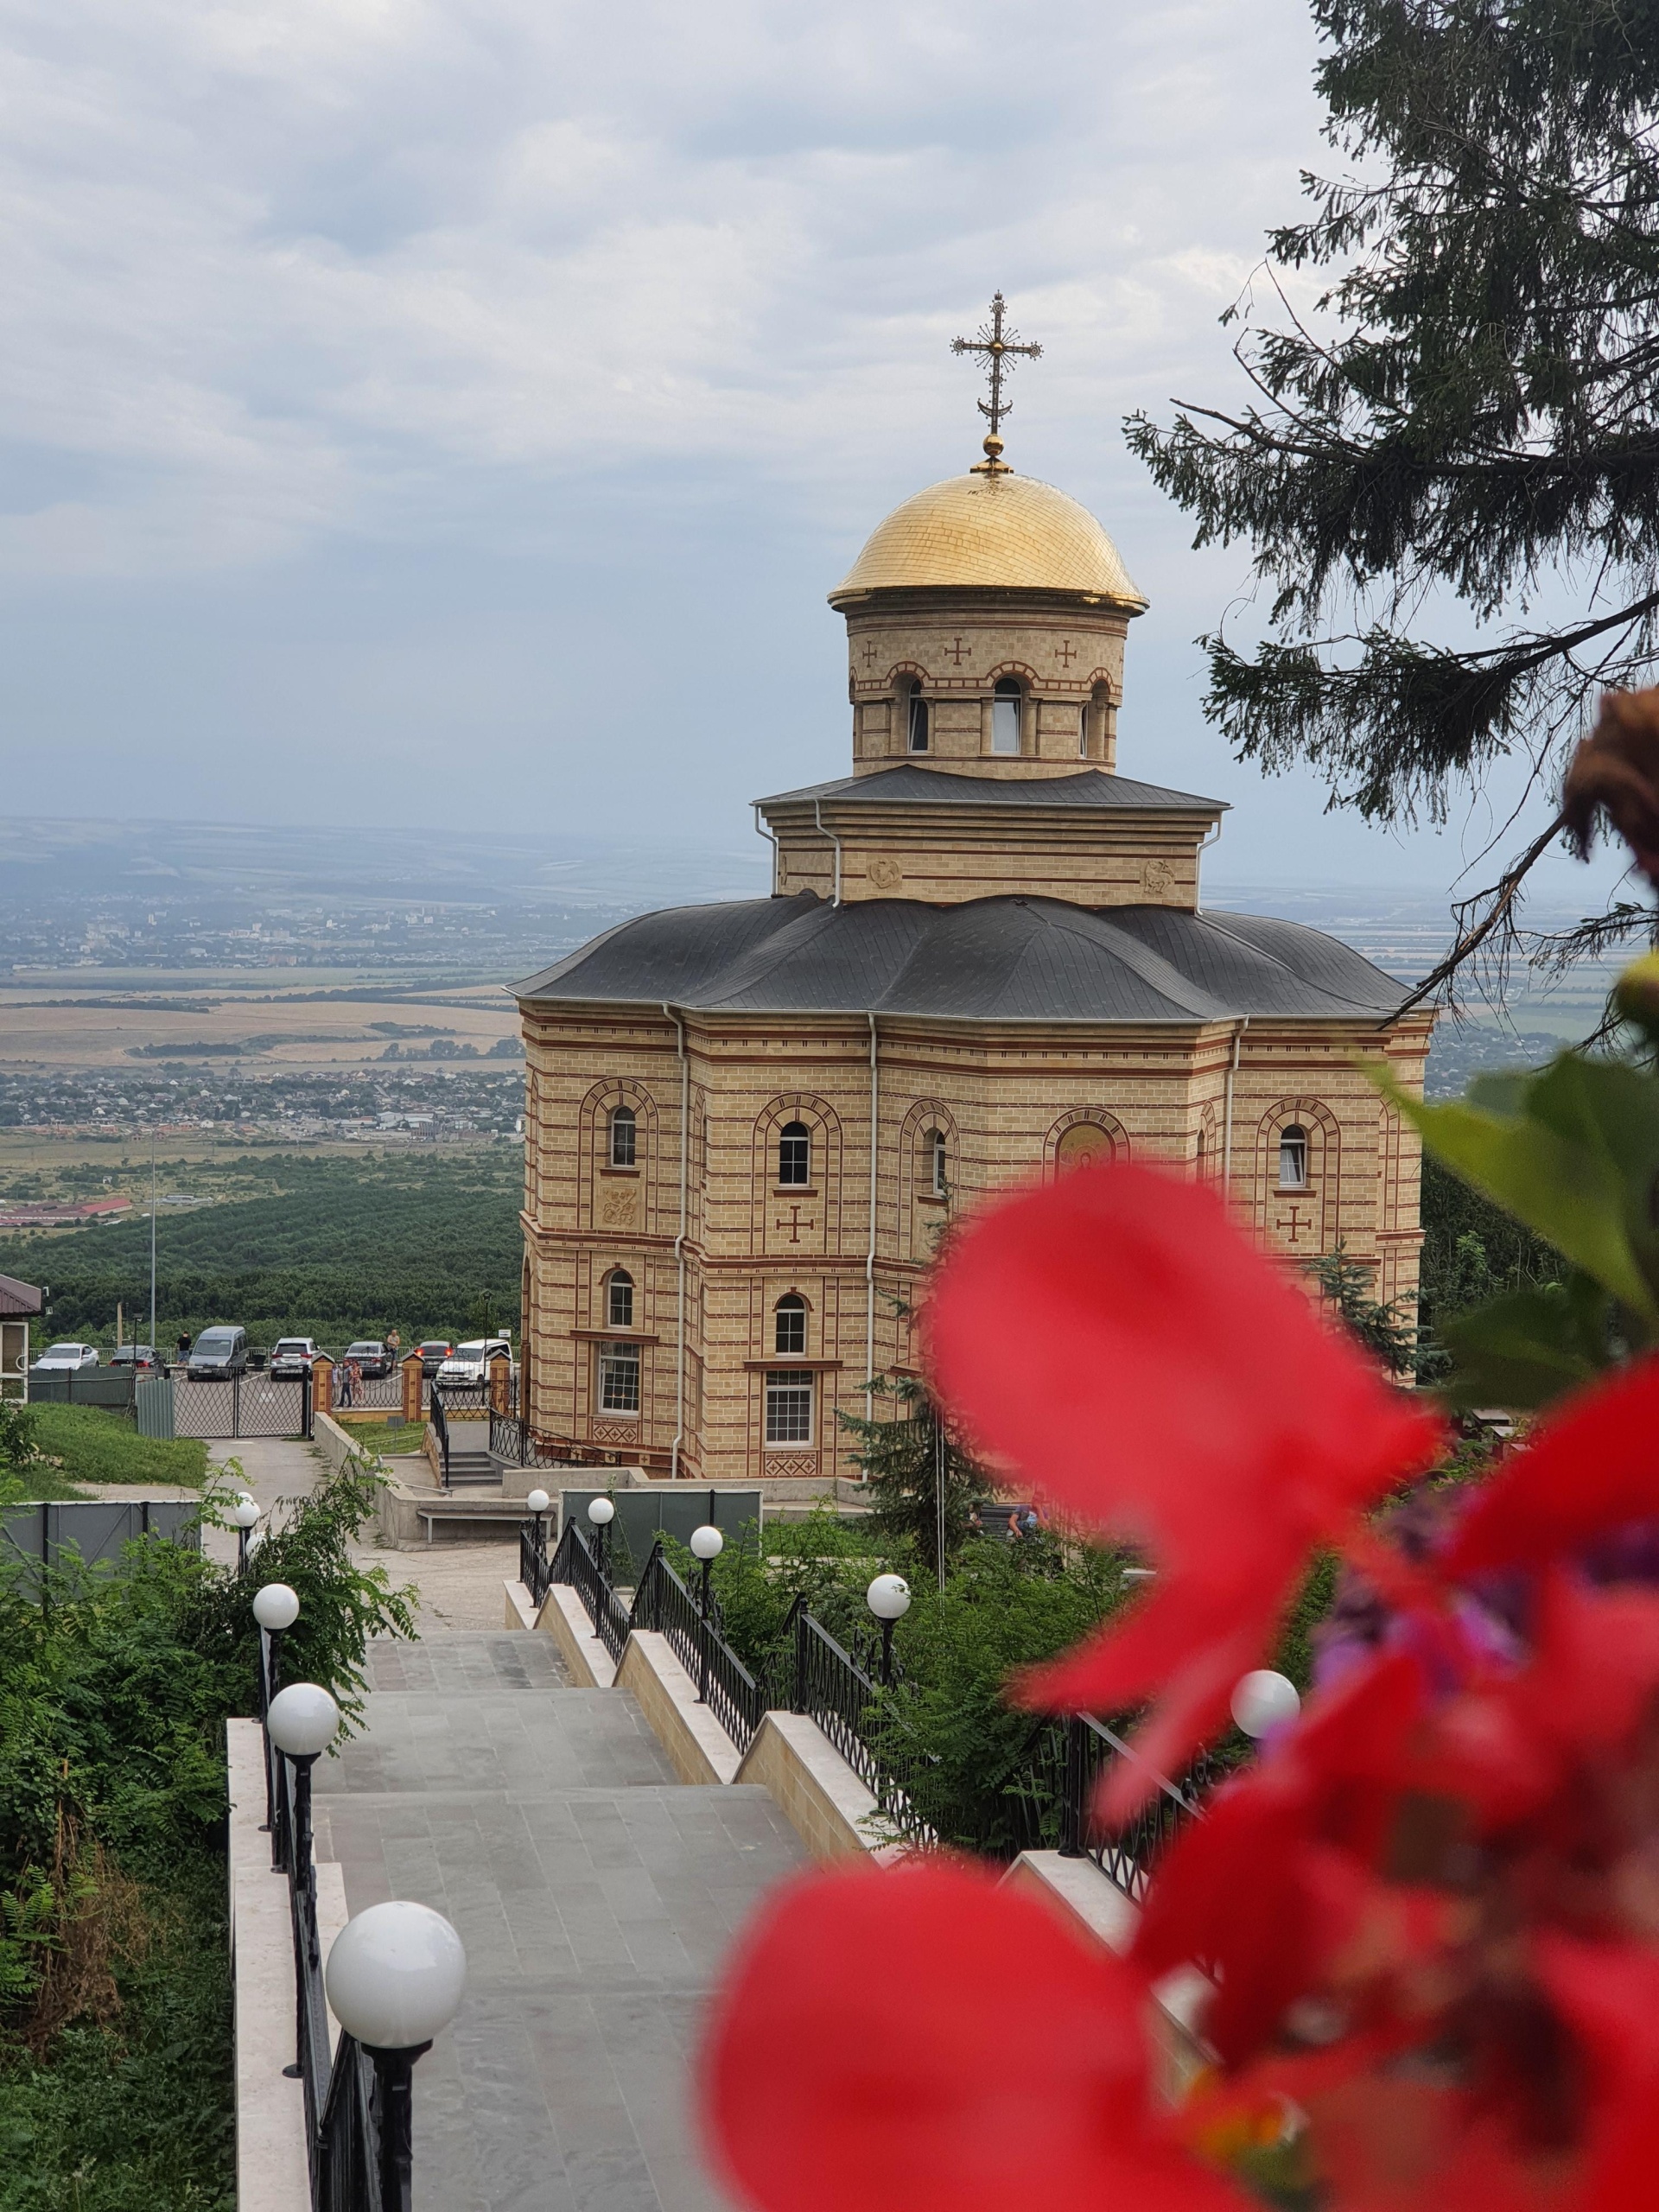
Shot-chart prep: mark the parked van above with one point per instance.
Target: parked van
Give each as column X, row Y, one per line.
column 470, row 1362
column 218, row 1352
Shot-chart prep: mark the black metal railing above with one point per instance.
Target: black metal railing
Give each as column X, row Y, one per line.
column 829, row 1687
column 574, row 1563
column 511, row 1437
column 1126, row 1855
column 357, row 2103
column 535, row 1568
column 733, row 1695
column 440, row 1430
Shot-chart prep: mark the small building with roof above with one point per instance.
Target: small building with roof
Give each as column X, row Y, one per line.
column 984, row 959
column 19, row 1303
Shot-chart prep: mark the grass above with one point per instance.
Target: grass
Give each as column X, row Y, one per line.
column 394, row 1438
column 96, row 1447
column 135, row 2115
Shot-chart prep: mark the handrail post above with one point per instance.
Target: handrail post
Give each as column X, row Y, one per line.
column 1071, row 1791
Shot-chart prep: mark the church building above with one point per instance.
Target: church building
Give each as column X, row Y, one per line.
column 985, row 960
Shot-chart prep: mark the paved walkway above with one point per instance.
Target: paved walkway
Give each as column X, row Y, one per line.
column 597, row 1896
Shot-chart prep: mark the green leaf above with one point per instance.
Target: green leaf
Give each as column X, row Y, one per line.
column 1522, row 1349
column 1562, row 1171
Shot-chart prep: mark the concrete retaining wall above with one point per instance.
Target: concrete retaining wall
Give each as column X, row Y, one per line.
column 563, row 1618
column 699, row 1749
column 813, row 1787
column 272, row 2173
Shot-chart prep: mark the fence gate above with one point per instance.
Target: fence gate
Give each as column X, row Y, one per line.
column 239, row 1405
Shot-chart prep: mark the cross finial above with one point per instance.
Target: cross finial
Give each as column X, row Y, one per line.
column 996, row 344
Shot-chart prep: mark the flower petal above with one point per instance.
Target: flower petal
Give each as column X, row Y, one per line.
column 920, row 2040
column 1117, row 1338
column 1592, row 1467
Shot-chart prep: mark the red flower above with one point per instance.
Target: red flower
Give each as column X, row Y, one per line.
column 918, row 2040
column 1138, row 1361
column 1591, row 1467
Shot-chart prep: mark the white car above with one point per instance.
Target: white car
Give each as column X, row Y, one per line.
column 470, row 1362
column 65, row 1359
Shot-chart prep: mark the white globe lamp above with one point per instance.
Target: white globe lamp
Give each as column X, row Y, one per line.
column 538, row 1501
column 303, row 1721
column 275, row 1607
column 888, row 1597
column 394, row 1975
column 707, row 1543
column 601, row 1511
column 1265, row 1699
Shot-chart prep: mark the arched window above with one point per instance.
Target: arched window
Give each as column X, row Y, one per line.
column 1200, row 1155
column 618, row 1301
column 915, row 721
column 623, row 1136
column 795, row 1154
column 791, row 1317
column 1293, row 1157
column 933, row 1154
column 1004, row 716
column 1082, row 732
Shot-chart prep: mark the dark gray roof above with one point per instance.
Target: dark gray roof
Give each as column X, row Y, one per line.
column 1004, row 959
column 912, row 786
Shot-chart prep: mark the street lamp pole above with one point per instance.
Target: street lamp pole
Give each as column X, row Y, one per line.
column 275, row 1607
column 244, row 1514
column 888, row 1599
column 706, row 1544
column 396, row 1975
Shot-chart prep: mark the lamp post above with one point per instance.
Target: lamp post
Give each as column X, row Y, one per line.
column 538, row 1501
column 244, row 1515
column 274, row 1607
column 395, row 1976
column 706, row 1544
column 888, row 1599
column 601, row 1511
column 302, row 1720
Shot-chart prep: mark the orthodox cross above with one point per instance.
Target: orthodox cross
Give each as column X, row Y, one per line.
column 1293, row 1225
column 996, row 344
column 1067, row 654
column 955, row 651
column 793, row 1224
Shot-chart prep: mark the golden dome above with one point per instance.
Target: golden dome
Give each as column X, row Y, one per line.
column 991, row 529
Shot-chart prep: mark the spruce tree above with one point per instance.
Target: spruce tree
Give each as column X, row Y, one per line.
column 1460, row 437
column 907, row 1460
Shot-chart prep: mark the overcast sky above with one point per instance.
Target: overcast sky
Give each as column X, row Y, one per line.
column 456, row 410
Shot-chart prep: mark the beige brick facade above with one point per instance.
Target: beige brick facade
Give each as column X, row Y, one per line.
column 716, row 1215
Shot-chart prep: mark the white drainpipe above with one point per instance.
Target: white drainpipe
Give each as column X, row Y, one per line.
column 679, row 1241
column 869, row 1256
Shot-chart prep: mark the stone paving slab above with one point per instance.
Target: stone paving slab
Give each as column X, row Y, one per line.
column 597, row 1897
column 467, row 1661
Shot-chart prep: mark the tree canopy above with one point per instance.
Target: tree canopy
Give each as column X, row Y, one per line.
column 1460, row 433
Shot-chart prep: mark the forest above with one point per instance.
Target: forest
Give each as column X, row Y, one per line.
column 428, row 1245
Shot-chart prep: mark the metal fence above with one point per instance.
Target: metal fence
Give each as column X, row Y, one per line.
column 110, row 1386
column 725, row 1685
column 1125, row 1855
column 574, row 1563
column 240, row 1405
column 92, row 1532
column 351, row 2099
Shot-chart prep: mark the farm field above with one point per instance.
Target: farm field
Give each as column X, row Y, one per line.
column 318, row 1020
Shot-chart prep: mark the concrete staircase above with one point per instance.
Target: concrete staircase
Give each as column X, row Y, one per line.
column 595, row 1894
column 472, row 1468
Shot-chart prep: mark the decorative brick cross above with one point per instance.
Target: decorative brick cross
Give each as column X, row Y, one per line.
column 793, row 1224
column 1068, row 652
column 1293, row 1225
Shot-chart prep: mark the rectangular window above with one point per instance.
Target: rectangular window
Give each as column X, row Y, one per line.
column 619, row 1378
column 622, row 1138
column 1005, row 725
column 789, row 1408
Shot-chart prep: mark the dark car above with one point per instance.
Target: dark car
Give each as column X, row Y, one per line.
column 144, row 1357
column 434, row 1352
column 217, row 1353
column 373, row 1359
